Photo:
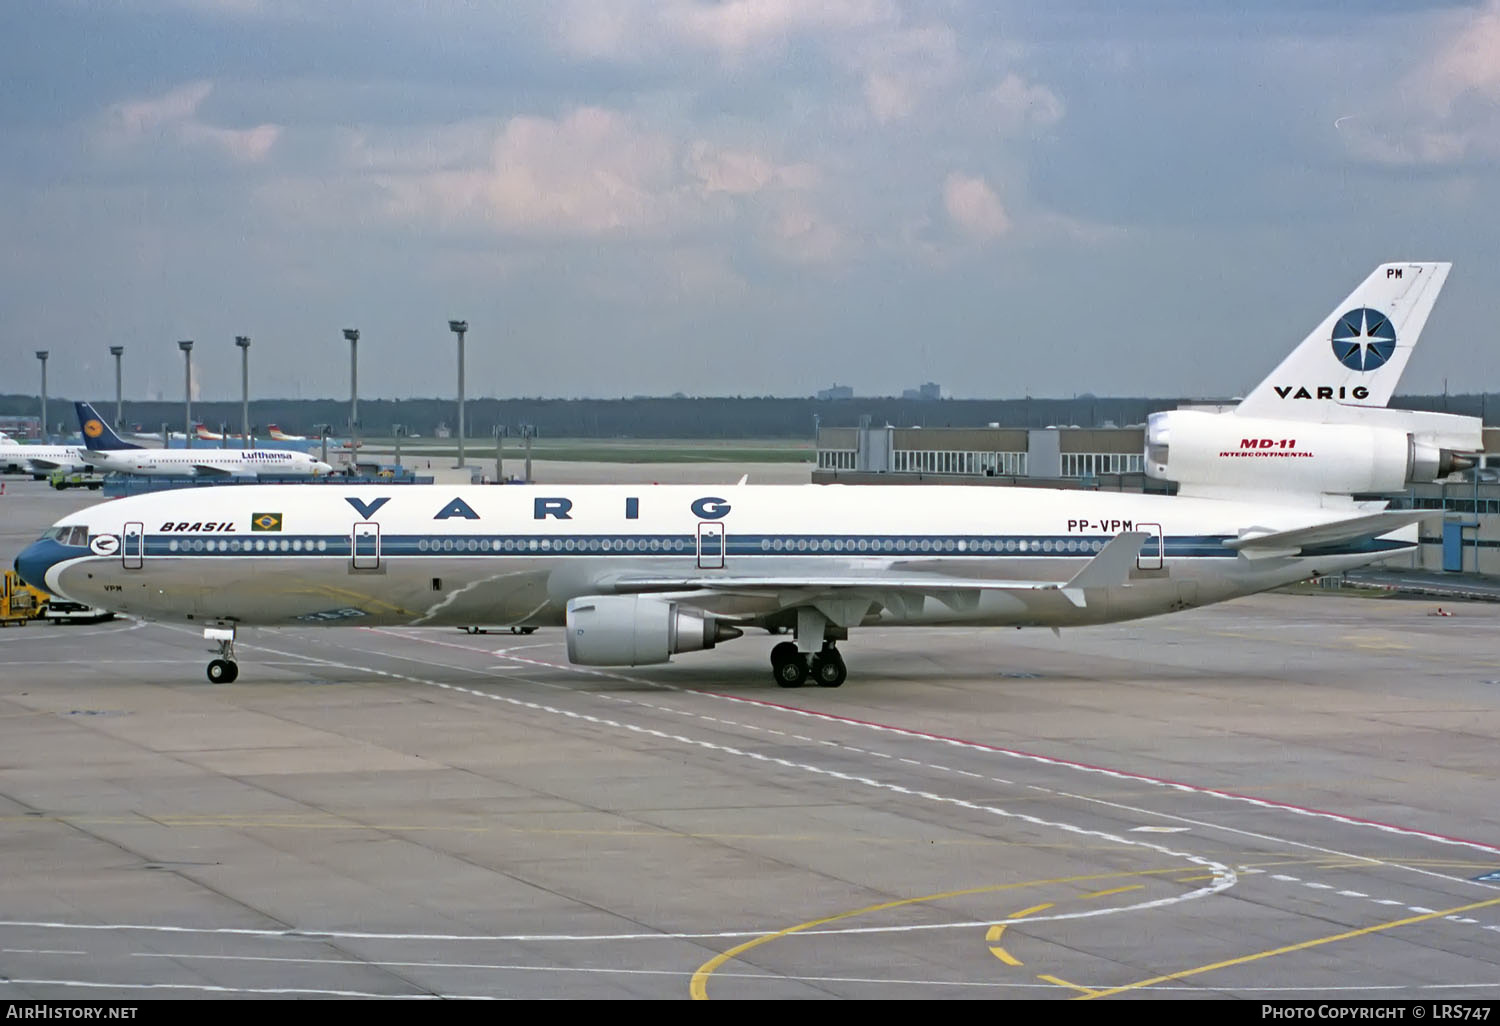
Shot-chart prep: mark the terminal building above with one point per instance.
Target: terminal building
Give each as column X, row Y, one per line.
column 1463, row 535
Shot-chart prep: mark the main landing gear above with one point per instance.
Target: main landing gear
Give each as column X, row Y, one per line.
column 793, row 668
column 223, row 670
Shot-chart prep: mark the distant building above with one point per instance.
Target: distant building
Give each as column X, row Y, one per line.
column 836, row 392
column 930, row 390
column 21, row 427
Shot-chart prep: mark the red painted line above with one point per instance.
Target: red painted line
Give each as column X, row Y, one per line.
column 1016, row 753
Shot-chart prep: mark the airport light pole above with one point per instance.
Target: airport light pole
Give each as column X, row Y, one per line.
column 396, row 432
column 41, row 354
column 459, row 328
column 243, row 341
column 186, row 345
column 117, row 352
column 352, row 334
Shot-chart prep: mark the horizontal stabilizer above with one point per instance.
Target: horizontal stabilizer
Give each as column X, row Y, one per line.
column 1277, row 543
column 1109, row 568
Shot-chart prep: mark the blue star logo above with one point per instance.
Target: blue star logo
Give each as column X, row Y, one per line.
column 1364, row 339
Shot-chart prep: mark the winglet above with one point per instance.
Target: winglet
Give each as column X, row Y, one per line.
column 1109, row 568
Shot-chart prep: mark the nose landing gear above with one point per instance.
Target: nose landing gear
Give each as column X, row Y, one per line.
column 223, row 670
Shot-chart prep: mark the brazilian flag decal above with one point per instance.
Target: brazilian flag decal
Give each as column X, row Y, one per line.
column 265, row 521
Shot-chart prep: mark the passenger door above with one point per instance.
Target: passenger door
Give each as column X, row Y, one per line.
column 1153, row 549
column 133, row 546
column 711, row 546
column 365, row 552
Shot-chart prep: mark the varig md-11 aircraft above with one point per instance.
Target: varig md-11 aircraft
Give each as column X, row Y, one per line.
column 639, row 573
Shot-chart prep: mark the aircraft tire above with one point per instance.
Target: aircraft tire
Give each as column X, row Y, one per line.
column 790, row 673
column 222, row 671
column 782, row 652
column 828, row 669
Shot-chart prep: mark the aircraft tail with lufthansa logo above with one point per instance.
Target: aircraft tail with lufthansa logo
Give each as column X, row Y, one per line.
column 1319, row 430
column 97, row 434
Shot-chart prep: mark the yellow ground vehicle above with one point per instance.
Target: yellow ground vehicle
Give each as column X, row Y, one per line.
column 75, row 479
column 19, row 601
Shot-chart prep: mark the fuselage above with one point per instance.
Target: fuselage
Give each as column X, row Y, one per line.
column 459, row 555
column 197, row 462
column 40, row 458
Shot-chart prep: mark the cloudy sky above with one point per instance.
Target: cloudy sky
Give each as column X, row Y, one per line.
column 737, row 197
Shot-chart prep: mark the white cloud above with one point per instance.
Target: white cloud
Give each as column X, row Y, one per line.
column 172, row 119
column 593, row 173
column 637, row 29
column 974, row 209
column 800, row 235
column 1446, row 111
column 1017, row 104
column 902, row 68
column 742, row 172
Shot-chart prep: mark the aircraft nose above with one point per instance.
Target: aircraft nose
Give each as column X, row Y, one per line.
column 39, row 557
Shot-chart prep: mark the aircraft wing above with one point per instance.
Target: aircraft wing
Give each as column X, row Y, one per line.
column 1110, row 567
column 94, row 457
column 41, row 464
column 1260, row 544
column 205, row 470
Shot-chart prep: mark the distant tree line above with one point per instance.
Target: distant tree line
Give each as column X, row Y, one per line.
column 677, row 417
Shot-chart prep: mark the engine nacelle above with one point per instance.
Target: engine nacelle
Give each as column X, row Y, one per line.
column 1212, row 451
column 637, row 630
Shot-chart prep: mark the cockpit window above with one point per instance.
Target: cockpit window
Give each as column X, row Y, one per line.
column 76, row 534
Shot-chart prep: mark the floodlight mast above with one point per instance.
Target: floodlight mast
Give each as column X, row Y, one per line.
column 459, row 328
column 243, row 341
column 186, row 345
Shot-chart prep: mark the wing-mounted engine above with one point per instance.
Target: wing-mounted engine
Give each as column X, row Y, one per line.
column 1380, row 450
column 637, row 630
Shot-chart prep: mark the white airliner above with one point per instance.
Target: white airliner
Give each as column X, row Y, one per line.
column 202, row 433
column 281, row 436
column 109, row 453
column 639, row 573
column 38, row 460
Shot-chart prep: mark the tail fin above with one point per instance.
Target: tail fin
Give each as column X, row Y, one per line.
column 1356, row 356
column 97, row 434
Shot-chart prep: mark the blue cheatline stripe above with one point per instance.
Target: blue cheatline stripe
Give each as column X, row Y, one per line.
column 916, row 546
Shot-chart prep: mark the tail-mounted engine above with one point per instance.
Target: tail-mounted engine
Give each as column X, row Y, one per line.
column 1212, row 452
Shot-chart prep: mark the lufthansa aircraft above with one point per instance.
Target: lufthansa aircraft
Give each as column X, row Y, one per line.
column 638, row 573
column 109, row 453
column 38, row 460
